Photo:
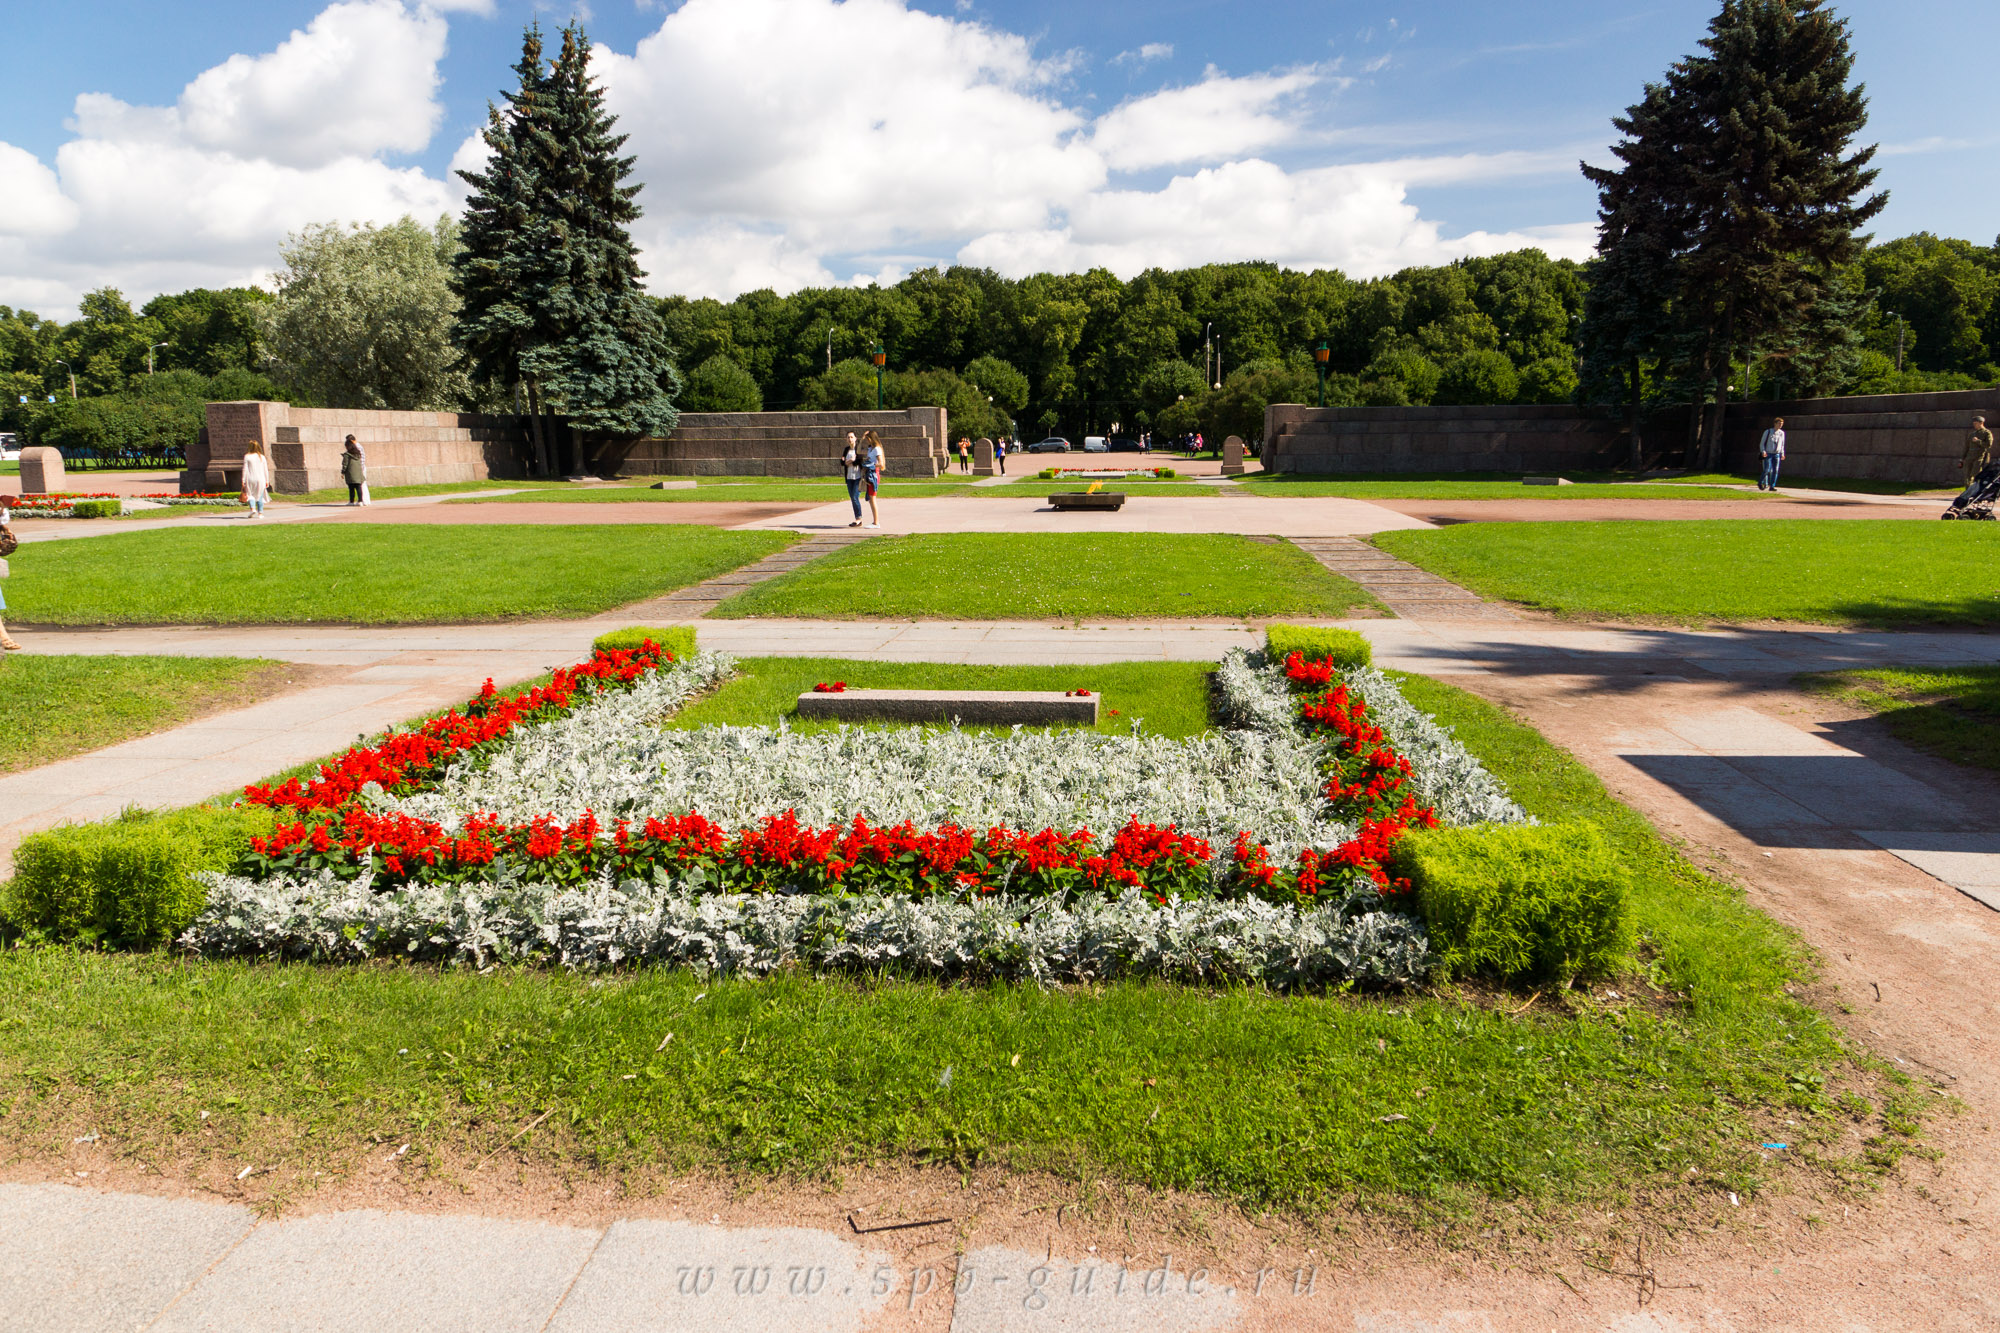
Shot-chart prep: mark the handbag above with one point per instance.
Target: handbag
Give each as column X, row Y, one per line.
column 9, row 543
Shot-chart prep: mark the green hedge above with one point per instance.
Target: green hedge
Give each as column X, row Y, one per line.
column 1344, row 646
column 96, row 509
column 676, row 639
column 1521, row 901
column 130, row 880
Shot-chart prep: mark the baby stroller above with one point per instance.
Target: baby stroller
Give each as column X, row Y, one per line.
column 1979, row 498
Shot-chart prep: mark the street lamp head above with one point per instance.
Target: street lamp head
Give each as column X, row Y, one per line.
column 879, row 357
column 1322, row 353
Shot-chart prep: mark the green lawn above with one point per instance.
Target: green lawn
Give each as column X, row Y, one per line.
column 786, row 492
column 1172, row 697
column 1951, row 712
column 1444, row 1104
column 365, row 573
column 1016, row 490
column 1477, row 486
column 1861, row 485
column 338, row 494
column 58, row 706
column 1855, row 571
column 1044, row 575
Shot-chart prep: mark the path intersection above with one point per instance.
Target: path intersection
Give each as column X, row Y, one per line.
column 1886, row 862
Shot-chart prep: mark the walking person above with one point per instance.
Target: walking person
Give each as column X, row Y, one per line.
column 256, row 477
column 1978, row 447
column 850, row 469
column 353, row 470
column 965, row 453
column 1771, row 450
column 873, row 459
column 1000, row 454
column 8, row 544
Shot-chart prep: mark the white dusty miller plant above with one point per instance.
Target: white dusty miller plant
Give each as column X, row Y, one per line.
column 1261, row 772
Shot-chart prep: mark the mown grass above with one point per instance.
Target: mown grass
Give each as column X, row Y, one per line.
column 365, row 573
column 1851, row 572
column 1475, row 486
column 1951, row 712
column 744, row 493
column 1285, row 1100
column 1034, row 576
column 1171, row 697
column 1858, row 485
column 338, row 494
column 58, row 706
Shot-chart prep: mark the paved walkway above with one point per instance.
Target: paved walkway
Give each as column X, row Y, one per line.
column 1410, row 592
column 1250, row 514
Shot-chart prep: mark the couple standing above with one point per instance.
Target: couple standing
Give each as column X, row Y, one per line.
column 862, row 463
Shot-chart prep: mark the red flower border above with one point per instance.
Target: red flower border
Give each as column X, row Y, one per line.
column 331, row 830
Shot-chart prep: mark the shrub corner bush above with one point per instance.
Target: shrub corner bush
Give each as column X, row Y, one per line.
column 676, row 639
column 96, row 509
column 1520, row 900
column 130, row 880
column 1348, row 649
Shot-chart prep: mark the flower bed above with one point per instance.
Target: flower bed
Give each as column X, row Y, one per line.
column 565, row 823
column 219, row 499
column 52, row 504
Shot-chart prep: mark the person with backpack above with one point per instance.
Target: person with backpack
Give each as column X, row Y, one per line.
column 354, row 471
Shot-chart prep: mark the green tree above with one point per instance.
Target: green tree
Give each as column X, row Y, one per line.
column 364, row 317
column 1779, row 198
column 555, row 309
column 1008, row 386
column 1477, row 377
column 720, row 385
column 209, row 330
column 611, row 372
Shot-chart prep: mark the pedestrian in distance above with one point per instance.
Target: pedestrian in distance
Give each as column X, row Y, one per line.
column 964, row 453
column 256, row 477
column 1000, row 454
column 1771, row 455
column 1978, row 447
column 850, row 469
column 353, row 470
column 8, row 544
column 873, row 459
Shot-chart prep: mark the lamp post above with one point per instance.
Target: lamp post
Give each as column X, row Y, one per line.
column 72, row 377
column 829, row 350
column 1218, row 361
column 1320, row 355
column 880, row 358
column 1207, row 353
column 150, row 350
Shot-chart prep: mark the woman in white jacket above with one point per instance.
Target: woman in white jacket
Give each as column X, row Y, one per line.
column 256, row 478
column 7, row 643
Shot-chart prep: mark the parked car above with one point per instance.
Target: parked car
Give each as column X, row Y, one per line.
column 1094, row 444
column 1055, row 444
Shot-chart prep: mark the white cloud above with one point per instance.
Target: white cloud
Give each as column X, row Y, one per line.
column 36, row 205
column 360, row 80
column 783, row 143
column 1218, row 118
column 1145, row 55
column 1356, row 219
column 151, row 198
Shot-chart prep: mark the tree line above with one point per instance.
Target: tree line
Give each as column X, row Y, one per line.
column 1731, row 262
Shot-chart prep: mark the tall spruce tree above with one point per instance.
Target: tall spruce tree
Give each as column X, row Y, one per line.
column 1779, row 196
column 1643, row 228
column 614, row 377
column 554, row 307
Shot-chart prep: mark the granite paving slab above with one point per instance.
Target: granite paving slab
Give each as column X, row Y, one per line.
column 76, row 1260
column 367, row 1272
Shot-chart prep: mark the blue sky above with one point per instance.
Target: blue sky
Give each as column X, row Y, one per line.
column 787, row 142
